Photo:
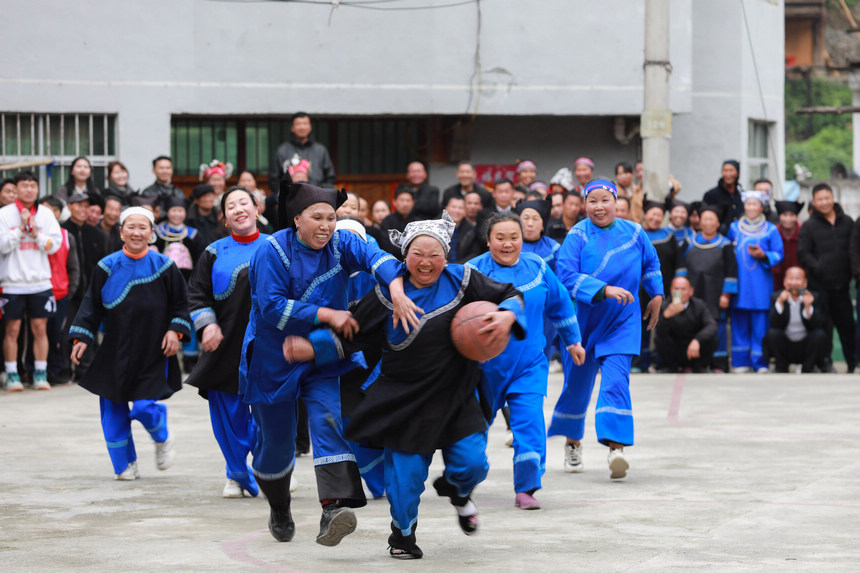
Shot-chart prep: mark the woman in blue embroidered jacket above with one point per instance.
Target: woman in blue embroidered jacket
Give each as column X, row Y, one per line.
column 427, row 396
column 602, row 263
column 140, row 297
column 299, row 282
column 519, row 375
column 758, row 247
column 219, row 296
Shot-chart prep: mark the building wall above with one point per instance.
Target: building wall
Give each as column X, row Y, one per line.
column 578, row 60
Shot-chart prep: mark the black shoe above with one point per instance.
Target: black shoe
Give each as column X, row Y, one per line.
column 336, row 523
column 188, row 363
column 401, row 547
column 468, row 523
column 281, row 524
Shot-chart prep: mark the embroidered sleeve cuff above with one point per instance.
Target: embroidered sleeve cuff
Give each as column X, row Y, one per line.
column 387, row 268
column 730, row 286
column 515, row 304
column 327, row 346
column 81, row 334
column 203, row 318
column 180, row 326
column 569, row 331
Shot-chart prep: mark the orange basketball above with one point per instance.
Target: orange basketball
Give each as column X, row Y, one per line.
column 464, row 332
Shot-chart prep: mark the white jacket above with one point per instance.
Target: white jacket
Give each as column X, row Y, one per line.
column 24, row 265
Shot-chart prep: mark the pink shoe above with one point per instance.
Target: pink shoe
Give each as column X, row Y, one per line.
column 526, row 501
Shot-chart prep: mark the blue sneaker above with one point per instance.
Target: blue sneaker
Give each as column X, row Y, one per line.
column 40, row 380
column 13, row 382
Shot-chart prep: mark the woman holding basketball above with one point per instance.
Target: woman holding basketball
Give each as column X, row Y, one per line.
column 519, row 375
column 602, row 263
column 424, row 397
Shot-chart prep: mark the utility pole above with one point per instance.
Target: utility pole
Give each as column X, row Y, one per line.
column 656, row 123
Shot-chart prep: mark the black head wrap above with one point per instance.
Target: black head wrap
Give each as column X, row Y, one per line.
column 786, row 206
column 717, row 210
column 734, row 163
column 293, row 198
column 648, row 205
column 671, row 204
column 542, row 206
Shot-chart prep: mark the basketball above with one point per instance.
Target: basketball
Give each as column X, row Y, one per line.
column 464, row 332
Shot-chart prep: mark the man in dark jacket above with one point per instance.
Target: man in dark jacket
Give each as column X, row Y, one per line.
column 687, row 333
column 466, row 184
column 727, row 195
column 203, row 217
column 403, row 204
column 797, row 321
column 464, row 242
column 426, row 196
column 163, row 189
column 302, row 146
column 823, row 251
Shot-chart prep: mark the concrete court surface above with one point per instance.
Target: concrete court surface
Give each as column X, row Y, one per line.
column 730, row 473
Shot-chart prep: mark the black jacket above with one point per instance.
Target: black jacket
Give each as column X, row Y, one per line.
column 779, row 321
column 91, row 244
column 695, row 321
column 467, row 244
column 854, row 249
column 209, row 228
column 823, row 250
column 322, row 169
column 426, row 196
column 393, row 221
column 457, row 191
column 730, row 204
column 161, row 193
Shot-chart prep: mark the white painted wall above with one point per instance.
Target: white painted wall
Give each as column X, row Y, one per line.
column 578, row 60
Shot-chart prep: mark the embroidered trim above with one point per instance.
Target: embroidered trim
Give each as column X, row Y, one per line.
column 81, row 330
column 280, row 251
column 524, row 457
column 182, row 322
column 119, row 444
column 233, row 280
column 467, row 272
column 211, row 248
column 364, row 469
column 536, row 281
column 276, row 475
column 653, row 274
column 104, row 267
column 561, row 416
column 204, row 317
column 613, row 410
column 385, row 302
column 612, row 252
column 376, row 265
column 286, row 316
column 576, row 285
column 337, row 344
column 325, row 460
column 328, row 274
column 577, row 231
column 136, row 282
column 566, row 322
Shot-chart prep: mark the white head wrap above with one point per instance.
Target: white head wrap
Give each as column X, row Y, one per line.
column 753, row 194
column 354, row 226
column 563, row 177
column 136, row 211
column 440, row 229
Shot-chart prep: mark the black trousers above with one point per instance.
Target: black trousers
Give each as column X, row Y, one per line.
column 673, row 352
column 841, row 316
column 809, row 352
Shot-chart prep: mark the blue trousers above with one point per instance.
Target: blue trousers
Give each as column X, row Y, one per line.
column 236, row 434
column 613, row 417
column 116, row 425
column 189, row 346
column 722, row 344
column 371, row 465
column 749, row 328
column 529, row 429
column 405, row 473
column 275, row 450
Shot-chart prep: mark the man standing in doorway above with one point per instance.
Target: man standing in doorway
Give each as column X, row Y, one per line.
column 302, row 146
column 426, row 196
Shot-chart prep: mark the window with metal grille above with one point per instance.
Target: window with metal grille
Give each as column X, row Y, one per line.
column 759, row 144
column 356, row 145
column 48, row 143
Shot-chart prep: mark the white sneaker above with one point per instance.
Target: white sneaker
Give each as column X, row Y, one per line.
column 617, row 464
column 294, row 483
column 164, row 453
column 762, row 370
column 130, row 473
column 741, row 370
column 509, row 438
column 573, row 459
column 232, row 489
column 554, row 367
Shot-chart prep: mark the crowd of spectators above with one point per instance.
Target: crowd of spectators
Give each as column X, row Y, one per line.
column 746, row 283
